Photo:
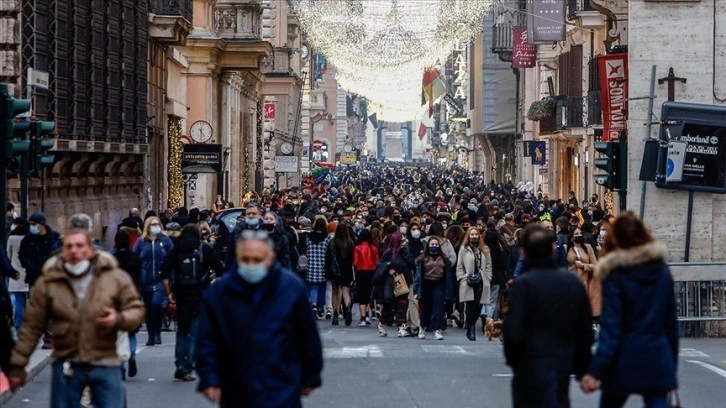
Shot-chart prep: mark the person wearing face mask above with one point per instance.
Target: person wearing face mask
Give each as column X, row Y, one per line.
column 189, row 266
column 474, row 259
column 252, row 220
column 273, row 225
column 433, row 286
column 37, row 247
column 86, row 298
column 581, row 261
column 152, row 248
column 272, row 350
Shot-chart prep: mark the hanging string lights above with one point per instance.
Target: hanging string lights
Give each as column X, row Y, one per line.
column 381, row 47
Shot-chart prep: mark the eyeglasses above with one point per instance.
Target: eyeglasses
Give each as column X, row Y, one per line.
column 254, row 234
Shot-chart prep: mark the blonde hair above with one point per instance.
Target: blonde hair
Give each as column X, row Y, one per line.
column 482, row 247
column 147, row 225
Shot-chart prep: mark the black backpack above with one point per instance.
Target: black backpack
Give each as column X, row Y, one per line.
column 190, row 270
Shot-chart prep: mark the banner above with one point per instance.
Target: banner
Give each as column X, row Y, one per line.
column 524, row 54
column 613, row 70
column 537, row 150
column 201, row 158
column 546, row 21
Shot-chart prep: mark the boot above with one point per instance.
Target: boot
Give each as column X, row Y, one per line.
column 348, row 315
column 471, row 332
column 335, row 318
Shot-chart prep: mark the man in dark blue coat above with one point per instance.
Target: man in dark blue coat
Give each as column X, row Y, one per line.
column 548, row 330
column 258, row 344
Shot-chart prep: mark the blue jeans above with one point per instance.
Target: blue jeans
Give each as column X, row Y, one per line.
column 617, row 401
column 105, row 381
column 132, row 344
column 187, row 316
column 19, row 299
column 317, row 294
column 154, row 302
column 432, row 303
column 491, row 309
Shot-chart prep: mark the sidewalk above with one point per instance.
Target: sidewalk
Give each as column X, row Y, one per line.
column 38, row 361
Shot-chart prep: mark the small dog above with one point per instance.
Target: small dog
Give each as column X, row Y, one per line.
column 493, row 329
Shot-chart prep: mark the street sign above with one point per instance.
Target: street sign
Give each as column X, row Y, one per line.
column 601, row 179
column 38, row 79
column 286, row 164
column 543, row 170
column 317, row 144
column 676, row 157
column 201, row 158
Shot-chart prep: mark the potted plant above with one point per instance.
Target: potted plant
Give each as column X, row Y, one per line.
column 544, row 108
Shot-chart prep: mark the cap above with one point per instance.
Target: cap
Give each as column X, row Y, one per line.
column 305, row 223
column 38, row 218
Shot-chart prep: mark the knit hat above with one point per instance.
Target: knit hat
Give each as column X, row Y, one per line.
column 305, row 224
column 38, row 218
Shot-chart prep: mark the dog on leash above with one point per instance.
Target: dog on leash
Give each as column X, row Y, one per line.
column 493, row 329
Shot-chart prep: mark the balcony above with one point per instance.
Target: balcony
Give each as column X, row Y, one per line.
column 594, row 109
column 318, row 101
column 238, row 20
column 502, row 40
column 585, row 16
column 548, row 125
column 570, row 112
column 279, row 75
column 170, row 21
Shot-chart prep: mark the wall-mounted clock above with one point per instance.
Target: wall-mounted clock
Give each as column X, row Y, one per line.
column 286, row 148
column 304, row 51
column 201, row 131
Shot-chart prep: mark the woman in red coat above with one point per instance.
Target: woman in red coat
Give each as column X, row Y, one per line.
column 365, row 259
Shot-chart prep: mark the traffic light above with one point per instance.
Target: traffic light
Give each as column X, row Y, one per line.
column 42, row 139
column 10, row 129
column 615, row 164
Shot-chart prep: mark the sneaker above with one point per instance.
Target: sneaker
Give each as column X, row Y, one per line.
column 189, row 377
column 368, row 321
column 328, row 314
column 363, row 323
column 422, row 334
column 382, row 330
column 132, row 368
column 403, row 331
column 438, row 335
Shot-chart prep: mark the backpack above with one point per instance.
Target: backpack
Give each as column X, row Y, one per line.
column 190, row 269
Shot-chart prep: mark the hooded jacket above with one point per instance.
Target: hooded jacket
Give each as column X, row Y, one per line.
column 75, row 333
column 638, row 344
column 259, row 343
column 152, row 254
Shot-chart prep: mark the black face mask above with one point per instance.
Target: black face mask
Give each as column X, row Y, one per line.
column 579, row 240
column 270, row 227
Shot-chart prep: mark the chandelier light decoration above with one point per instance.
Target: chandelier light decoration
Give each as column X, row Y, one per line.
column 381, row 47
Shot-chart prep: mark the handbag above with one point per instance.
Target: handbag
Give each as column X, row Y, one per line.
column 353, row 287
column 474, row 280
column 400, row 286
column 674, row 400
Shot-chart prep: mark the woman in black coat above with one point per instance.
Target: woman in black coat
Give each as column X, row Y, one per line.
column 637, row 351
column 339, row 271
column 131, row 263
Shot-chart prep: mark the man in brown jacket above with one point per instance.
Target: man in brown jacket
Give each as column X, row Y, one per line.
column 87, row 299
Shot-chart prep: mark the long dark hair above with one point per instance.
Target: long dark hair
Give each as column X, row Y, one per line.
column 365, row 235
column 343, row 240
column 571, row 240
column 394, row 243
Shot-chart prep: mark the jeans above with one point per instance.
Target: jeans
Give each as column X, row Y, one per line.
column 491, row 309
column 541, row 385
column 617, row 401
column 132, row 344
column 187, row 315
column 105, row 382
column 432, row 304
column 153, row 301
column 19, row 299
column 317, row 294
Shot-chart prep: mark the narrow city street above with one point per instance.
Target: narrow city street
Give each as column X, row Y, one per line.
column 364, row 370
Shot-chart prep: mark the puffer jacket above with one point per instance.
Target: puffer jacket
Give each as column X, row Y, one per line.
column 152, row 254
column 75, row 333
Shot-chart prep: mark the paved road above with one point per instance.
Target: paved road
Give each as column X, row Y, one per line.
column 364, row 370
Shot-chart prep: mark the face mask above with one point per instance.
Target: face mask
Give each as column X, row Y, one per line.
column 323, row 210
column 434, row 250
column 155, row 230
column 340, row 212
column 252, row 222
column 34, row 229
column 602, row 233
column 416, row 234
column 403, row 230
column 474, row 240
column 252, row 273
column 270, row 227
column 579, row 240
column 443, row 224
column 209, row 220
column 79, row 268
column 397, row 218
column 541, row 207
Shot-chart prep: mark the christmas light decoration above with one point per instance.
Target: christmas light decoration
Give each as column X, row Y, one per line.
column 176, row 184
column 380, row 47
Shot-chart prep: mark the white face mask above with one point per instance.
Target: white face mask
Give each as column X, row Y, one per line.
column 416, row 234
column 403, row 230
column 79, row 268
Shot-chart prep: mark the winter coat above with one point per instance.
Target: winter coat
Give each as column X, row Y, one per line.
column 317, row 246
column 130, row 263
column 446, row 248
column 13, row 249
column 152, row 254
column 466, row 266
column 549, row 326
column 258, row 343
column 73, row 325
column 587, row 274
column 638, row 344
column 345, row 263
column 365, row 257
column 35, row 250
column 448, row 280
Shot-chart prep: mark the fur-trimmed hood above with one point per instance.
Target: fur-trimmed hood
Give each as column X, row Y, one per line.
column 623, row 258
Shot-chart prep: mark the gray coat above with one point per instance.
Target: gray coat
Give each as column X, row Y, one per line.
column 465, row 267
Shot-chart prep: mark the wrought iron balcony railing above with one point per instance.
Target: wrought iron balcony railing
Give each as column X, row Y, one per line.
column 570, row 112
column 181, row 8
column 502, row 38
column 548, row 125
column 594, row 109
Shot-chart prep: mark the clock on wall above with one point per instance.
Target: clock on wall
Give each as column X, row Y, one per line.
column 201, row 131
column 304, row 51
column 286, row 148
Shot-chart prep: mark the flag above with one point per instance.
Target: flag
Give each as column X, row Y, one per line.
column 422, row 131
column 433, row 87
column 426, row 123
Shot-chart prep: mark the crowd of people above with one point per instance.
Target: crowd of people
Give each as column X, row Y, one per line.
column 419, row 250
